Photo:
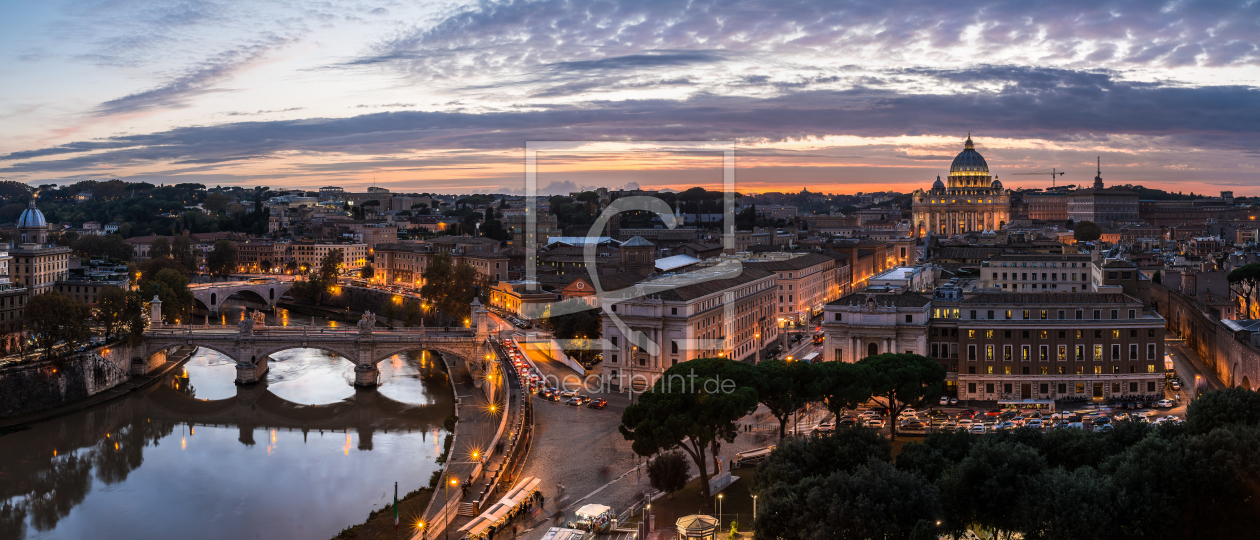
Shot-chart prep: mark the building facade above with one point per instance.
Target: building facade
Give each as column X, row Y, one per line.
column 1105, row 207
column 404, row 264
column 1037, row 272
column 37, row 265
column 970, row 201
column 728, row 317
column 1008, row 346
column 802, row 286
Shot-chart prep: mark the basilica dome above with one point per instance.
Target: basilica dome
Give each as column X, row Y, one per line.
column 32, row 217
column 969, row 162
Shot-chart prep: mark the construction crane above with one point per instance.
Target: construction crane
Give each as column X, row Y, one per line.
column 1052, row 172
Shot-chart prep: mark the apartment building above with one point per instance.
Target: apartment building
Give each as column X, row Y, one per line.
column 999, row 346
column 85, row 284
column 1049, row 346
column 802, row 285
column 1036, row 272
column 312, row 254
column 404, row 263
column 732, row 317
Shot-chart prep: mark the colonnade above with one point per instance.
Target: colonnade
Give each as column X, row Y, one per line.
column 950, row 222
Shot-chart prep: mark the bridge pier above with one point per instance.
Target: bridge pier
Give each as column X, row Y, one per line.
column 251, row 371
column 366, row 375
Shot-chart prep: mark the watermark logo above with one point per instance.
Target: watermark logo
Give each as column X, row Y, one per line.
column 636, row 299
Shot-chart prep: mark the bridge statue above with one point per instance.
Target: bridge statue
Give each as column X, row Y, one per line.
column 367, row 322
column 260, row 319
column 246, row 327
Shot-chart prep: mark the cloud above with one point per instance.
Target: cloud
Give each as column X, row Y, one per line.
column 639, row 61
column 1036, row 104
column 516, row 36
column 261, row 112
column 196, row 81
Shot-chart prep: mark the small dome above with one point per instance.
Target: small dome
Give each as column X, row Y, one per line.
column 938, row 184
column 32, row 217
column 997, row 184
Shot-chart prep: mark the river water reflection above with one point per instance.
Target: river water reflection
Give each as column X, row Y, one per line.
column 301, row 455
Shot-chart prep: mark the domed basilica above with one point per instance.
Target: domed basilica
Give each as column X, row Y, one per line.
column 970, row 201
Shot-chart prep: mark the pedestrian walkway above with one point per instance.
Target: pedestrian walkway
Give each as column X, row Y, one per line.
column 474, row 433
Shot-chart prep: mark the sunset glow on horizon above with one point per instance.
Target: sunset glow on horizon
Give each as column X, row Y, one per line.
column 443, row 97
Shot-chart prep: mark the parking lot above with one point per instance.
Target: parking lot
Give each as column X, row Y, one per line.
column 1090, row 416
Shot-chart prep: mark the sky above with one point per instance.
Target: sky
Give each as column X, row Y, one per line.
column 836, row 97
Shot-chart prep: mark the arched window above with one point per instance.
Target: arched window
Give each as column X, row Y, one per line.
column 272, row 293
column 872, row 350
column 213, row 298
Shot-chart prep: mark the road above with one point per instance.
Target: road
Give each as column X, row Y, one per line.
column 1188, row 365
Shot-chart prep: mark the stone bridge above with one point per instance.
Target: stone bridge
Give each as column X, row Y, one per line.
column 251, row 343
column 254, row 407
column 212, row 295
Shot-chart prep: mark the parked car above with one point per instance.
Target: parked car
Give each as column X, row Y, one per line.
column 1164, row 404
column 1104, row 428
column 1175, row 384
column 953, row 401
column 1035, row 423
column 847, row 422
column 976, row 428
column 825, row 427
column 944, row 400
column 915, row 425
column 875, row 423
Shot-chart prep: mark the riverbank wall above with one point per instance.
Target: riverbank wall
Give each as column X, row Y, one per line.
column 43, row 384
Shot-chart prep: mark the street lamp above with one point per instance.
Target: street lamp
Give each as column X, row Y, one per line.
column 446, row 529
column 754, row 510
column 719, row 510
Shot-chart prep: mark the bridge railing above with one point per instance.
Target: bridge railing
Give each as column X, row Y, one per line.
column 430, row 332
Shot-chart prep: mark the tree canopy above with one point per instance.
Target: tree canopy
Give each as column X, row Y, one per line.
column 53, row 318
column 898, row 381
column 1086, row 231
column 693, row 407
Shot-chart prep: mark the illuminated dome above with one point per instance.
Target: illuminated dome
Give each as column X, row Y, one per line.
column 997, row 184
column 32, row 217
column 969, row 162
column 938, row 184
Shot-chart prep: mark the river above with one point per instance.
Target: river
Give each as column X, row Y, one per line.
column 302, row 454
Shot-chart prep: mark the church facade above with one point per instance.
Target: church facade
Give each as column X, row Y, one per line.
column 970, row 200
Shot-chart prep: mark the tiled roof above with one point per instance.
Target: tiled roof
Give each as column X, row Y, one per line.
column 686, row 292
column 795, row 263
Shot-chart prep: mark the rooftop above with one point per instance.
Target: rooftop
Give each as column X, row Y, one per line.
column 1051, row 298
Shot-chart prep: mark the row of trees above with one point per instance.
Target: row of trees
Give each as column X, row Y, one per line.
column 696, row 405
column 143, row 208
column 1196, row 480
column 58, row 323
